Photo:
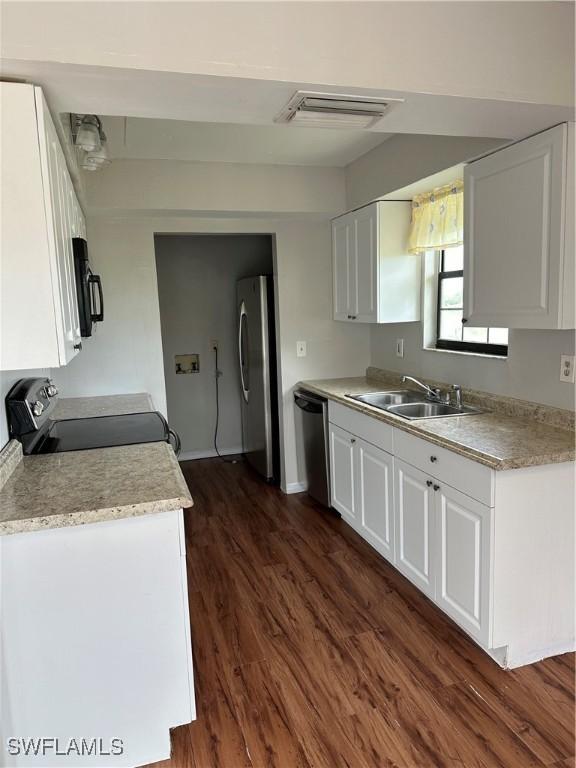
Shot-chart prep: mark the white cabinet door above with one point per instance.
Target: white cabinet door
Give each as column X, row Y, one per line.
column 375, row 470
column 414, row 525
column 341, row 243
column 60, row 201
column 463, row 547
column 365, row 298
column 515, row 250
column 375, row 279
column 343, row 473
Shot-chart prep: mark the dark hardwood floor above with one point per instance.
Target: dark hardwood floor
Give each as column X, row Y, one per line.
column 310, row 651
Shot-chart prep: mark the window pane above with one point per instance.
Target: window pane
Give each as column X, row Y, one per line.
column 451, row 293
column 477, row 335
column 454, row 258
column 498, row 335
column 451, row 324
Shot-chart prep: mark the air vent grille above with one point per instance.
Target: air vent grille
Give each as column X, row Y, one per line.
column 334, row 110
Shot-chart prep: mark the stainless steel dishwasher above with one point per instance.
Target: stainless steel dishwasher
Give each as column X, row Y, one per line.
column 316, row 452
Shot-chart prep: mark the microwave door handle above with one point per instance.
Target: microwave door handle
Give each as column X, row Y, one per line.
column 97, row 317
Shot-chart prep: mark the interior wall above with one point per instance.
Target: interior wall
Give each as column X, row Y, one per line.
column 532, row 369
column 502, row 50
column 405, row 158
column 7, row 381
column 169, row 186
column 197, row 277
column 125, row 355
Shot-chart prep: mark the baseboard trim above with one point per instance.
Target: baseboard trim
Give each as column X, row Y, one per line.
column 295, row 488
column 530, row 657
column 209, row 454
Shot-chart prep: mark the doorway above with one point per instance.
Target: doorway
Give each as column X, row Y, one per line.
column 197, row 289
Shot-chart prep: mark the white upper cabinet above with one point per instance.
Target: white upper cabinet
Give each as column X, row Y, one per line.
column 39, row 325
column 519, row 234
column 375, row 279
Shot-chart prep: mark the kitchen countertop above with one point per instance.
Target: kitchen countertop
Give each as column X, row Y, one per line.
column 78, row 487
column 495, row 439
column 102, row 405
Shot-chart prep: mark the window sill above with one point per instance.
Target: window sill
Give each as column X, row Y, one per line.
column 464, row 354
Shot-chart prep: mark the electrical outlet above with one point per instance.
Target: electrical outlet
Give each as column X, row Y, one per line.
column 399, row 347
column 214, row 344
column 300, row 349
column 567, row 368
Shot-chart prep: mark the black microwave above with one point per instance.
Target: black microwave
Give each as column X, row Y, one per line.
column 88, row 289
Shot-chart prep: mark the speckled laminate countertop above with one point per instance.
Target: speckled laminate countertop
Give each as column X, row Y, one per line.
column 78, row 487
column 495, row 439
column 102, row 405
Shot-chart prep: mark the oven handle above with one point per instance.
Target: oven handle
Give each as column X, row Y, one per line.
column 177, row 447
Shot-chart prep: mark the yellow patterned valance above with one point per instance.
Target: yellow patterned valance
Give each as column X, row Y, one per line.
column 437, row 219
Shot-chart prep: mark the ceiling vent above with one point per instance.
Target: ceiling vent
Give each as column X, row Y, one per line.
column 334, row 110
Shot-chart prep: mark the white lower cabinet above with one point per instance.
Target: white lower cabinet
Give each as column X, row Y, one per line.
column 414, row 517
column 343, row 474
column 375, row 497
column 362, row 488
column 495, row 553
column 463, row 547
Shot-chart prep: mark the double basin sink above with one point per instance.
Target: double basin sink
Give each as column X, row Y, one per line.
column 411, row 405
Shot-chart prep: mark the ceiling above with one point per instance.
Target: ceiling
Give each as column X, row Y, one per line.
column 212, row 99
column 131, row 138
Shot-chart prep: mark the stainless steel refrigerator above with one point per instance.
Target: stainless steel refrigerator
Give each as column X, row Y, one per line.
column 257, row 364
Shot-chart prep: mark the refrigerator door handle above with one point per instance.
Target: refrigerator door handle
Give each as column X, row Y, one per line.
column 243, row 314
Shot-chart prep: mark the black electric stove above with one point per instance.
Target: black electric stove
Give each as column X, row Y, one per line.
column 29, row 408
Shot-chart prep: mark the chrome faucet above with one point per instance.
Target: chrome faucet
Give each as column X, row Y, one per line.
column 432, row 393
column 457, row 389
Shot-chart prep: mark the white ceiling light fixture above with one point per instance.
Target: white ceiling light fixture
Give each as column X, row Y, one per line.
column 334, row 110
column 97, row 158
column 88, row 135
column 90, row 140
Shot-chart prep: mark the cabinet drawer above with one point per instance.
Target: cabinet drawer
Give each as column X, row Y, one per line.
column 368, row 428
column 467, row 476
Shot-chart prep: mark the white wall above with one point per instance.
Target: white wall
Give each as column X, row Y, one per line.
column 126, row 353
column 402, row 159
column 532, row 369
column 516, row 50
column 197, row 277
column 171, row 186
column 7, row 381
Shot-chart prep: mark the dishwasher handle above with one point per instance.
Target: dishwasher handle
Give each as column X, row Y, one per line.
column 308, row 402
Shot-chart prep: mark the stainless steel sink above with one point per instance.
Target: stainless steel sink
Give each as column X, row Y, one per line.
column 384, row 399
column 429, row 410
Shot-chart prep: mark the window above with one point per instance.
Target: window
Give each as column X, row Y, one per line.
column 451, row 333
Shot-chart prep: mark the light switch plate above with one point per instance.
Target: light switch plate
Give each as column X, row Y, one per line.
column 399, row 347
column 300, row 349
column 567, row 368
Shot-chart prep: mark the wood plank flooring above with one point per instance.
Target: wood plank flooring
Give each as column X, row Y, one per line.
column 311, row 652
